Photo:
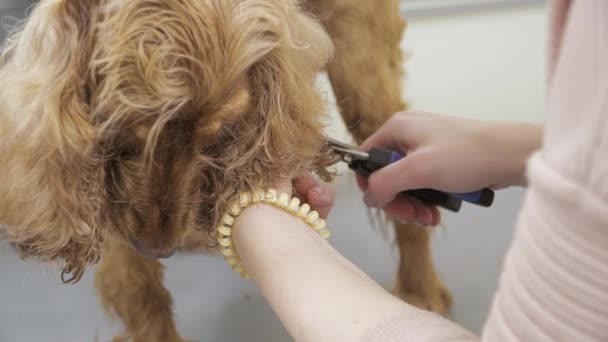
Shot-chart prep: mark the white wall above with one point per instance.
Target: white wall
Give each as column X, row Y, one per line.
column 487, row 64
column 484, row 65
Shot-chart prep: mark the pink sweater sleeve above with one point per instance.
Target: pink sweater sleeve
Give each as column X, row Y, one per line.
column 555, row 282
column 554, row 286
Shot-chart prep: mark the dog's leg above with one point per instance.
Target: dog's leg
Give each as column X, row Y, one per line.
column 131, row 288
column 367, row 67
column 416, row 281
column 366, row 76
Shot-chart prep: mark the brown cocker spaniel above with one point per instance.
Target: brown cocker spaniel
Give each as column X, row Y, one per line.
column 128, row 125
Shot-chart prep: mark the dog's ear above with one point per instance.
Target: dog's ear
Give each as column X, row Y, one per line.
column 50, row 176
column 293, row 48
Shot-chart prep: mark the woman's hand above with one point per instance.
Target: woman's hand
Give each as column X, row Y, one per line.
column 448, row 154
column 319, row 196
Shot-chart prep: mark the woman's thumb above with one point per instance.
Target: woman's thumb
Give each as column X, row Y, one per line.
column 385, row 184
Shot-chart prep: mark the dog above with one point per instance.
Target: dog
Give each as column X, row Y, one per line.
column 129, row 126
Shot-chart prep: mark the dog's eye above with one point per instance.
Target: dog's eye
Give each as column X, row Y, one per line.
column 128, row 153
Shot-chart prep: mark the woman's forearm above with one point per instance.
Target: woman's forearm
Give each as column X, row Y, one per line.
column 317, row 293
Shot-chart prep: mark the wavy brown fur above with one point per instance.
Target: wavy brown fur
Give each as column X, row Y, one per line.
column 137, row 117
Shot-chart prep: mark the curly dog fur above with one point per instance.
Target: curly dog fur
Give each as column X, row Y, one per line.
column 130, row 124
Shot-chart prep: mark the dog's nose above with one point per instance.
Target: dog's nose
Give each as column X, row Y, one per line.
column 163, row 253
column 153, row 253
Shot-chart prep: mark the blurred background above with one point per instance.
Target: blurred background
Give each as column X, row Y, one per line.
column 470, row 58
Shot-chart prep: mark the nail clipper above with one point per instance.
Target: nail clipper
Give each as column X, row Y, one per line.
column 365, row 163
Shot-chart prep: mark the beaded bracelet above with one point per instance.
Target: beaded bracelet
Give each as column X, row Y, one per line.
column 282, row 201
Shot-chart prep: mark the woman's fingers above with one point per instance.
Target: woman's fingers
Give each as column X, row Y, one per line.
column 319, row 196
column 409, row 210
column 396, row 133
column 321, row 199
column 436, row 216
column 413, row 172
column 401, row 209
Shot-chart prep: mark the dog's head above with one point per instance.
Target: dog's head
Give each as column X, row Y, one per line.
column 144, row 118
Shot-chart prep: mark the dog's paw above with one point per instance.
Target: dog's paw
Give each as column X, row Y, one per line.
column 436, row 297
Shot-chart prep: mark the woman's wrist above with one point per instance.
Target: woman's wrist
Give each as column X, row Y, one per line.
column 509, row 146
column 264, row 233
column 250, row 219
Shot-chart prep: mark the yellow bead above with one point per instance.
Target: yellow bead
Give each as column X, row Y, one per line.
column 303, row 211
column 233, row 260
column 235, row 210
column 227, row 251
column 293, row 205
column 324, row 233
column 312, row 217
column 271, row 196
column 226, row 242
column 238, row 268
column 228, row 220
column 258, row 196
column 225, row 230
column 320, row 224
column 283, row 200
column 246, row 276
column 245, row 199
